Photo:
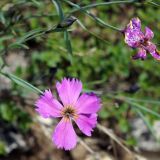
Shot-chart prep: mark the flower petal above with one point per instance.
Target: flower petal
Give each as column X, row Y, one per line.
column 133, row 33
column 134, row 38
column 64, row 135
column 69, row 90
column 140, row 55
column 86, row 123
column 148, row 33
column 151, row 47
column 88, row 103
column 135, row 23
column 156, row 54
column 48, row 106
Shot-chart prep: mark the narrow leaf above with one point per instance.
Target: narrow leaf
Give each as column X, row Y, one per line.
column 59, row 9
column 22, row 82
column 144, row 108
column 68, row 44
column 146, row 122
column 98, row 20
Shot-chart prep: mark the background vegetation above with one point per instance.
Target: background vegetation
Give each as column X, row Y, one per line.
column 91, row 49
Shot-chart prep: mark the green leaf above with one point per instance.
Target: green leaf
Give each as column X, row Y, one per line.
column 90, row 6
column 104, row 113
column 59, row 9
column 66, row 34
column 139, row 106
column 98, row 20
column 1, row 62
column 106, row 3
column 130, row 141
column 68, row 44
column 7, row 37
column 146, row 122
column 153, row 3
column 2, row 18
column 18, row 45
column 2, row 148
column 33, row 34
column 144, row 100
column 124, row 125
column 22, row 83
column 93, row 34
column 48, row 57
column 36, row 2
column 7, row 113
column 27, row 35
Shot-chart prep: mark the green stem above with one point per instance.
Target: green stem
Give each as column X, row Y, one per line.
column 21, row 82
column 146, row 122
column 101, row 22
column 101, row 4
column 84, row 7
column 59, row 9
column 135, row 104
column 66, row 33
column 155, row 4
column 143, row 100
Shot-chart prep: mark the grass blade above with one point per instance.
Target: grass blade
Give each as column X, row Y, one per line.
column 112, row 136
column 66, row 33
column 143, row 108
column 59, row 9
column 98, row 20
column 93, row 34
column 144, row 100
column 155, row 4
column 139, row 106
column 90, row 6
column 22, row 82
column 146, row 122
column 68, row 45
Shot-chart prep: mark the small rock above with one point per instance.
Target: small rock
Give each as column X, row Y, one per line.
column 101, row 156
column 13, row 60
column 80, row 152
column 145, row 140
column 156, row 128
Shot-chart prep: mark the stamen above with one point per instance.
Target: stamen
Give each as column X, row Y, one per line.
column 69, row 112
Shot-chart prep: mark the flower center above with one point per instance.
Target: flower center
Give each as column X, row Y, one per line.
column 144, row 42
column 69, row 112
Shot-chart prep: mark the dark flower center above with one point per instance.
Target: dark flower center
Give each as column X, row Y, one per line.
column 69, row 112
column 144, row 42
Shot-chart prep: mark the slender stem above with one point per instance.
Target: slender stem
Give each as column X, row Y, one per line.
column 21, row 82
column 155, row 4
column 113, row 137
column 84, row 7
column 58, row 6
column 59, row 9
column 143, row 100
column 101, row 22
column 86, row 146
column 135, row 104
column 143, row 108
column 93, row 34
column 40, row 15
column 146, row 122
column 101, row 4
column 89, row 149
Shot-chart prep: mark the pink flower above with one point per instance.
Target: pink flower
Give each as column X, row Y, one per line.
column 72, row 107
column 135, row 38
